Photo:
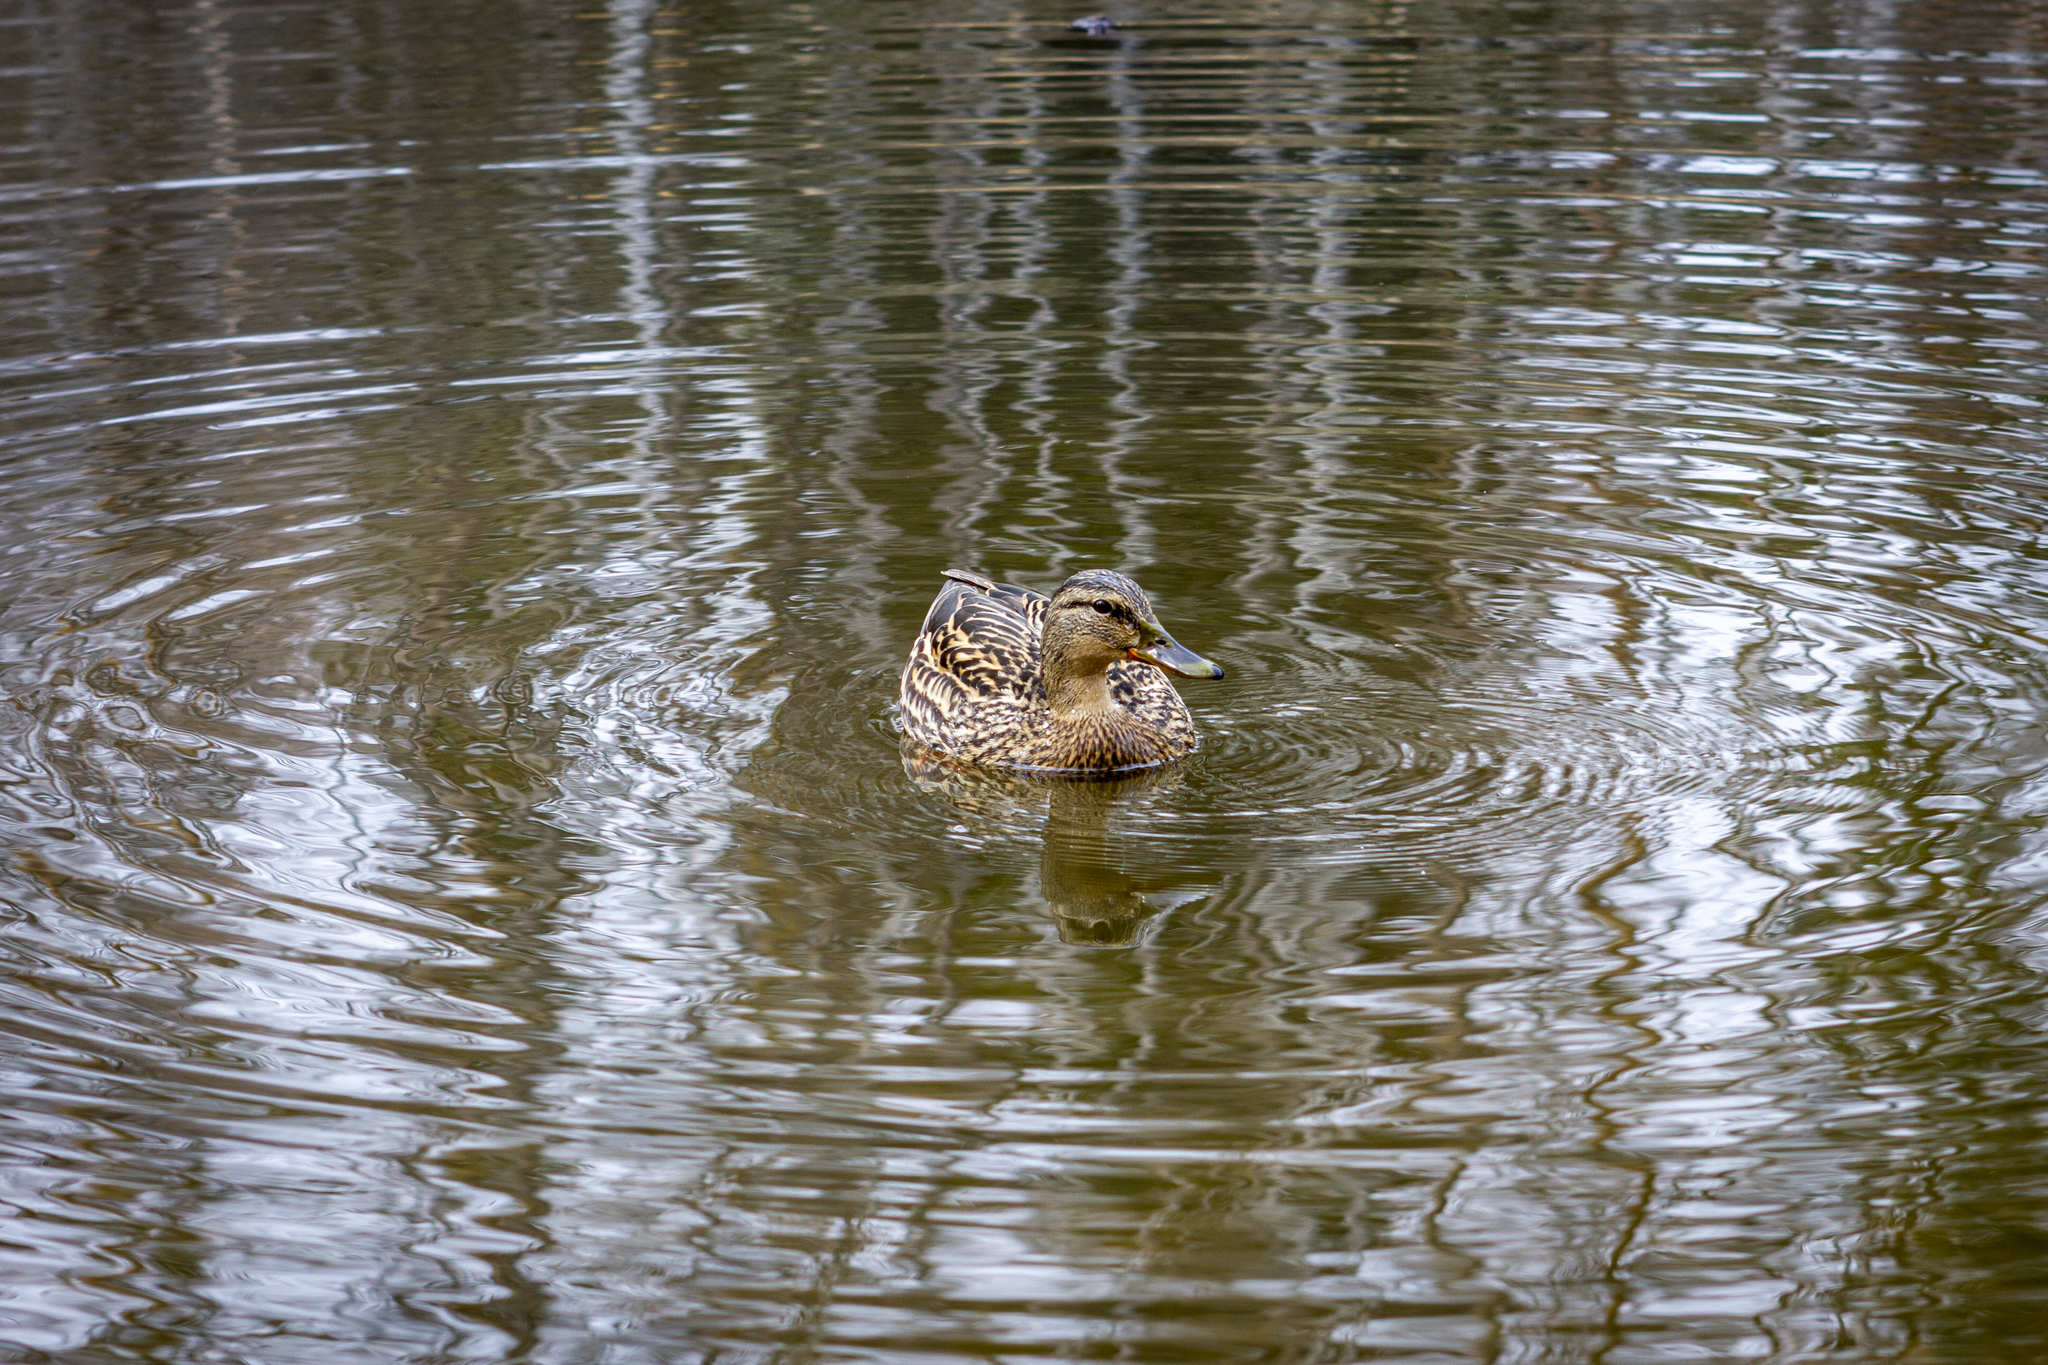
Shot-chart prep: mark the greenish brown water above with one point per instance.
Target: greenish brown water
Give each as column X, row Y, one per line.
column 472, row 473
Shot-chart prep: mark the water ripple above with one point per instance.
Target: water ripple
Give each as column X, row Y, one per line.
column 467, row 897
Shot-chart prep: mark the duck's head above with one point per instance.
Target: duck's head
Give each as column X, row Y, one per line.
column 1098, row 617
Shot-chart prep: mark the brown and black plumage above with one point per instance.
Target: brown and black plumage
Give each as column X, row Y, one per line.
column 1068, row 683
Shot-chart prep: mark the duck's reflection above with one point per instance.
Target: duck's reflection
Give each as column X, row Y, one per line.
column 1082, row 865
column 1080, row 873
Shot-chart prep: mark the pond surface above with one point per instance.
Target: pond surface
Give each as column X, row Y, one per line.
column 473, row 473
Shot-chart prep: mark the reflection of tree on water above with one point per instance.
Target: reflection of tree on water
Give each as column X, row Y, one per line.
column 1084, row 867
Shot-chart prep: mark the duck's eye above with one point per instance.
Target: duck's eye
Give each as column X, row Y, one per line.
column 1106, row 608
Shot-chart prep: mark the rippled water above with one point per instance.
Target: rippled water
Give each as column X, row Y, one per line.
column 472, row 473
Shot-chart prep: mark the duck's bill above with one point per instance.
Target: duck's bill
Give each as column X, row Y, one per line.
column 1168, row 654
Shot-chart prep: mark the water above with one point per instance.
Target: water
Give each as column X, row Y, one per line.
column 473, row 473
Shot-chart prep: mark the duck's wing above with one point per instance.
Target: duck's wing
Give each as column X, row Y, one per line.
column 1026, row 603
column 983, row 637
column 972, row 677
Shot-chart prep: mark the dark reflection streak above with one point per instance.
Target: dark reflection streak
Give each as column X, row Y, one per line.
column 1436, row 1211
column 1605, row 1133
column 981, row 467
column 1344, row 260
column 477, row 760
column 1632, row 636
column 1317, row 467
column 833, row 946
column 1457, row 1040
column 848, row 302
column 861, row 581
column 217, row 63
column 1139, row 543
column 483, row 800
column 496, row 825
column 1039, row 265
column 474, row 802
column 150, row 1254
column 1960, row 985
column 156, row 1214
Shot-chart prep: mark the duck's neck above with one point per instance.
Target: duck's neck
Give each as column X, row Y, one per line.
column 1076, row 694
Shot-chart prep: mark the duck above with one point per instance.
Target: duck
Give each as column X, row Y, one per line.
column 1072, row 683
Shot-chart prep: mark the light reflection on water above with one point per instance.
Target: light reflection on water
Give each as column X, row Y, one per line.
column 472, row 479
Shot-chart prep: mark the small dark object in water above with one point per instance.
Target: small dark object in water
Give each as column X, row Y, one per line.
column 1094, row 25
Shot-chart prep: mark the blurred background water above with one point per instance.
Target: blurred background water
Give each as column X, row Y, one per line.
column 472, row 472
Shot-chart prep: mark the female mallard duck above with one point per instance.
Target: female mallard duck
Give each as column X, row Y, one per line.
column 1072, row 683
